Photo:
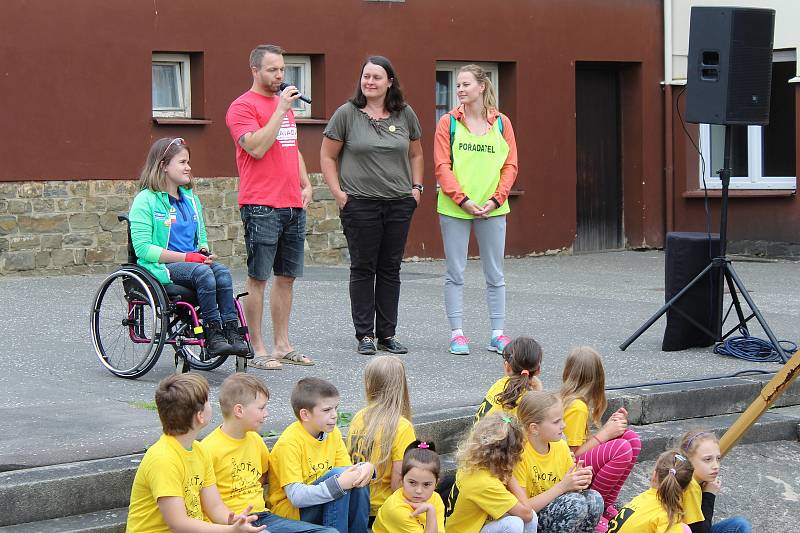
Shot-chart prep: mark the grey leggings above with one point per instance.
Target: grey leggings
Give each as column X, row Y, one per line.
column 491, row 235
column 573, row 512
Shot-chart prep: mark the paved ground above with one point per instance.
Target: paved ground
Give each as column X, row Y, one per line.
column 58, row 404
column 759, row 481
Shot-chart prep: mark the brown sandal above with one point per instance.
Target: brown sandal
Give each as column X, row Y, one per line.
column 265, row 362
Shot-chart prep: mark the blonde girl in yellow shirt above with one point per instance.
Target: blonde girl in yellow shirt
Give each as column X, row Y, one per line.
column 659, row 509
column 613, row 449
column 522, row 361
column 556, row 486
column 380, row 432
column 485, row 497
column 701, row 447
column 415, row 507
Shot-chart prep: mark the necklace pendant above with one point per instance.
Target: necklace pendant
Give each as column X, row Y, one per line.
column 392, row 128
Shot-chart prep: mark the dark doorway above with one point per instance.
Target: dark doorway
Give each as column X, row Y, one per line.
column 599, row 184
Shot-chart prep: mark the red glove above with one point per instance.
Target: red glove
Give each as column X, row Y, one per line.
column 195, row 257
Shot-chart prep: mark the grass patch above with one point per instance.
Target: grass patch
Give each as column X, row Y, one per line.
column 150, row 406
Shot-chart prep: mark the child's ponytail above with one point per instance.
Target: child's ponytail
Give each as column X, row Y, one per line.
column 673, row 473
column 524, row 356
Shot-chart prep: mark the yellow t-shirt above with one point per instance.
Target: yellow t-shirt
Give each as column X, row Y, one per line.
column 692, row 498
column 394, row 516
column 380, row 489
column 476, row 497
column 644, row 514
column 490, row 404
column 537, row 473
column 299, row 457
column 576, row 418
column 168, row 469
column 239, row 465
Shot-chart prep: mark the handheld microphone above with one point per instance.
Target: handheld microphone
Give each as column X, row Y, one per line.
column 303, row 97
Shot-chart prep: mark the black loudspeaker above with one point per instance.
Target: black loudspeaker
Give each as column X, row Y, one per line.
column 729, row 71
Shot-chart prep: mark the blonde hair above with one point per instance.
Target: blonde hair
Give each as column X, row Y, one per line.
column 161, row 153
column 489, row 94
column 673, row 473
column 692, row 439
column 495, row 444
column 534, row 405
column 241, row 389
column 584, row 378
column 387, row 400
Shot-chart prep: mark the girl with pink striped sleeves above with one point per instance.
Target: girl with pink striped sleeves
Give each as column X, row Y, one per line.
column 613, row 449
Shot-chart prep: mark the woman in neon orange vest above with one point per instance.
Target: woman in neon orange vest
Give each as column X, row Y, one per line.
column 475, row 155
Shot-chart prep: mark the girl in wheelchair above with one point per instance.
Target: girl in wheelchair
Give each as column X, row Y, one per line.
column 169, row 237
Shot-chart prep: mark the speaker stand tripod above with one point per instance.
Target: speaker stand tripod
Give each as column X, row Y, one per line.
column 722, row 267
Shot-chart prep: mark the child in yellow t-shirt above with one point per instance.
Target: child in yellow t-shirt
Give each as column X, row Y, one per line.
column 311, row 476
column 175, row 488
column 557, row 486
column 522, row 360
column 415, row 507
column 701, row 447
column 381, row 432
column 485, row 497
column 612, row 451
column 240, row 456
column 659, row 508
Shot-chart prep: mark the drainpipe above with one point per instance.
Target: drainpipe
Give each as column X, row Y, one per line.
column 669, row 166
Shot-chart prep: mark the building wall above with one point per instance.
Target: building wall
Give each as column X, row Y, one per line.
column 81, row 90
column 49, row 227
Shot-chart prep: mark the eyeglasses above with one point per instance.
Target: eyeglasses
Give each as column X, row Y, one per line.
column 178, row 140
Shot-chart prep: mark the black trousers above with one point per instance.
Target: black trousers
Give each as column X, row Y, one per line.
column 376, row 233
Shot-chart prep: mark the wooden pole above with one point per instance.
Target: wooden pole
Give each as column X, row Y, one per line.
column 771, row 392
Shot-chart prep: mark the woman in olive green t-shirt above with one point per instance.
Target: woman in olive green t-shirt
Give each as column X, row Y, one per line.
column 371, row 158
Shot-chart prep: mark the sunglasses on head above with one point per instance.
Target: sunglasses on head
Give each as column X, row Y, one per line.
column 177, row 140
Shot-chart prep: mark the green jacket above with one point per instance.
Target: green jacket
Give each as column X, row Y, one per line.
column 150, row 225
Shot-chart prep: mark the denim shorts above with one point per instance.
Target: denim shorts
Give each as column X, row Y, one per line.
column 275, row 238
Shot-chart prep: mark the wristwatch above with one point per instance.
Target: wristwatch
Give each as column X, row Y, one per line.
column 418, row 186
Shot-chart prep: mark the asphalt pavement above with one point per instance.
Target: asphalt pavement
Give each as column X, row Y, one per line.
column 58, row 404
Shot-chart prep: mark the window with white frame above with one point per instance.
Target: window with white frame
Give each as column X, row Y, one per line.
column 762, row 157
column 298, row 73
column 172, row 92
column 446, row 83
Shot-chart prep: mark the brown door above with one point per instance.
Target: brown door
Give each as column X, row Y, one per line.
column 599, row 184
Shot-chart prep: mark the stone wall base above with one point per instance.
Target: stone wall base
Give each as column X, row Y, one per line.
column 71, row 227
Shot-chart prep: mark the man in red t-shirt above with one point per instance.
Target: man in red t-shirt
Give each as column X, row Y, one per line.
column 274, row 191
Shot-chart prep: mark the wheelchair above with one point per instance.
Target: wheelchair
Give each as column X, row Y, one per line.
column 134, row 316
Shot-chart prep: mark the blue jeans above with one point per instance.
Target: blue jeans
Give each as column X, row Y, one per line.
column 736, row 524
column 348, row 514
column 213, row 285
column 279, row 524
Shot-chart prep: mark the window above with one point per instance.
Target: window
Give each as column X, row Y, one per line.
column 446, row 83
column 762, row 157
column 298, row 73
column 172, row 96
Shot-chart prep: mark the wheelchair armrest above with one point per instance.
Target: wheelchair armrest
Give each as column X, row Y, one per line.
column 123, row 217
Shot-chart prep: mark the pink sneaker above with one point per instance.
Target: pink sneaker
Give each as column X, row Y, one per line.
column 459, row 345
column 610, row 512
column 498, row 344
column 602, row 525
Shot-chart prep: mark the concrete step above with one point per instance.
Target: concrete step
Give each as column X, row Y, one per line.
column 111, row 521
column 90, row 487
column 69, row 489
column 646, row 405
